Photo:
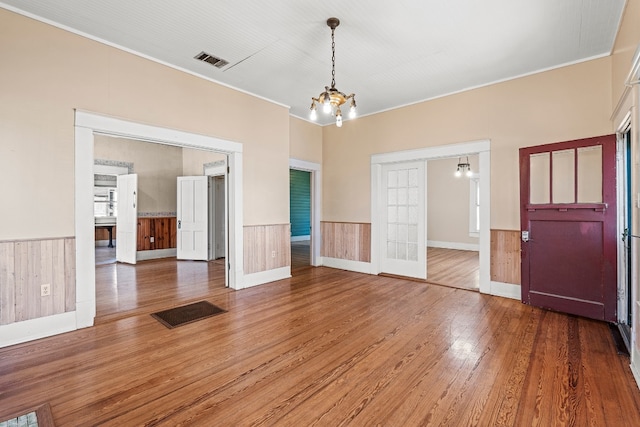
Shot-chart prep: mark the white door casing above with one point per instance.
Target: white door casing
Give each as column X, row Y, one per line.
column 127, row 219
column 403, row 220
column 192, row 220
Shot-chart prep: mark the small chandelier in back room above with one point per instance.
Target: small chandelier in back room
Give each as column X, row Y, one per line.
column 331, row 99
column 462, row 167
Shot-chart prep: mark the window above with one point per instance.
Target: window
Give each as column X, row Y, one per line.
column 474, row 205
column 105, row 202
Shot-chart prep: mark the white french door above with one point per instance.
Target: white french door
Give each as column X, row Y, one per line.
column 193, row 218
column 403, row 220
column 127, row 219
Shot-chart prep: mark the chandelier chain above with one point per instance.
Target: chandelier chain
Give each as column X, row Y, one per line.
column 333, row 59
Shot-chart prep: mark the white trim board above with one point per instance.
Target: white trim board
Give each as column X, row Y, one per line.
column 506, row 290
column 28, row 330
column 345, row 264
column 453, row 245
column 316, row 204
column 156, row 254
column 255, row 279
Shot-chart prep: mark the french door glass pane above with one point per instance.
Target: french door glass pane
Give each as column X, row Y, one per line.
column 402, row 214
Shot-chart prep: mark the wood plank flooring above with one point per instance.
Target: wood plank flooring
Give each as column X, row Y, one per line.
column 300, row 256
column 451, row 267
column 124, row 290
column 329, row 348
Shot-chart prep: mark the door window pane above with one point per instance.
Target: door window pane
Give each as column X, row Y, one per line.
column 539, row 173
column 590, row 174
column 564, row 176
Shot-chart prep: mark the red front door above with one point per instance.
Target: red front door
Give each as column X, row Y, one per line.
column 568, row 223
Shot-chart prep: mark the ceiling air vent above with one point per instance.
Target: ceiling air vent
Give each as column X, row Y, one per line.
column 216, row 62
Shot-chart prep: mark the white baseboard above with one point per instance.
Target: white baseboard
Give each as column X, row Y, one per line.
column 635, row 369
column 29, row 330
column 300, row 238
column 262, row 277
column 156, row 254
column 345, row 264
column 105, row 243
column 454, row 245
column 506, row 290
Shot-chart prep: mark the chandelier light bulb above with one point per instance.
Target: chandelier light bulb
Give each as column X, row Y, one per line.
column 314, row 115
column 352, row 112
column 326, row 107
column 469, row 172
column 458, row 173
column 339, row 118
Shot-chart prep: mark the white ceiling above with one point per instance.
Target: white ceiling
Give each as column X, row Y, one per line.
column 389, row 53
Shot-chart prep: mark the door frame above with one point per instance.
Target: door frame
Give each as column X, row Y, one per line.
column 480, row 147
column 316, row 196
column 86, row 125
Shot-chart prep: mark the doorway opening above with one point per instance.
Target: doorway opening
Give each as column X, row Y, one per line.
column 156, row 174
column 300, row 218
column 304, row 207
column 453, row 222
column 379, row 194
column 89, row 125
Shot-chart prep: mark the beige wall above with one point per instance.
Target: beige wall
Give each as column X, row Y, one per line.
column 37, row 101
column 448, row 202
column 568, row 103
column 305, row 140
column 156, row 165
column 193, row 161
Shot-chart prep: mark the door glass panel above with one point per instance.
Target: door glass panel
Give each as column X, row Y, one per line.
column 402, row 216
column 590, row 174
column 412, row 253
column 539, row 173
column 564, row 176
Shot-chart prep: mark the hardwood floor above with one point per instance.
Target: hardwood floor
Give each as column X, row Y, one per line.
column 451, row 267
column 330, row 347
column 300, row 256
column 124, row 290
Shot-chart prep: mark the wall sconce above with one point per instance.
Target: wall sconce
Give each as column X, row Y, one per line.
column 463, row 167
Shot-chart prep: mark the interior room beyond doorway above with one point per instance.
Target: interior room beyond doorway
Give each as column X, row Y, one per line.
column 453, row 226
column 158, row 279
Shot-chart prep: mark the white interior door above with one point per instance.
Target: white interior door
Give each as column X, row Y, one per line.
column 193, row 218
column 127, row 219
column 403, row 220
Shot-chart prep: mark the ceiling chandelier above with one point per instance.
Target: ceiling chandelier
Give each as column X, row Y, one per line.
column 331, row 99
column 462, row 167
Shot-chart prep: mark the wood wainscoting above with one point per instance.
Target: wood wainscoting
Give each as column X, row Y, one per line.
column 103, row 234
column 505, row 256
column 26, row 265
column 266, row 247
column 346, row 240
column 161, row 229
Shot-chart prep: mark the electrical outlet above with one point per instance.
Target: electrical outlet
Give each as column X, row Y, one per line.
column 152, row 239
column 273, row 254
column 45, row 290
